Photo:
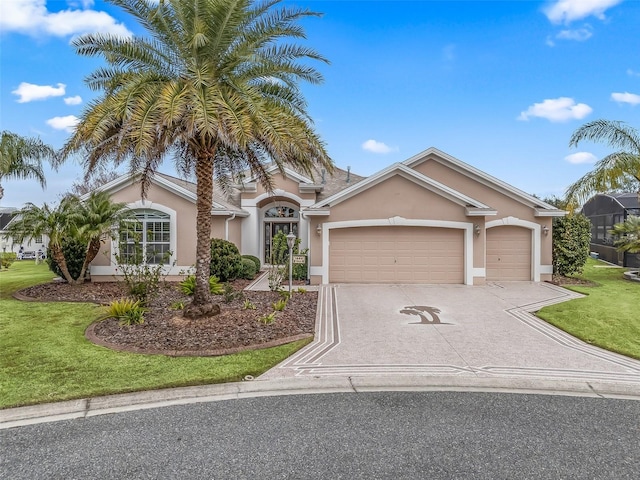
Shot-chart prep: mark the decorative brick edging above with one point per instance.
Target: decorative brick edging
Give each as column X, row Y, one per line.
column 93, row 338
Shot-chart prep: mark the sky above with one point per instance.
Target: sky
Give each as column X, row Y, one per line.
column 500, row 85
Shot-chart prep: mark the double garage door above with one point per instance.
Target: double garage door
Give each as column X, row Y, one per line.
column 396, row 255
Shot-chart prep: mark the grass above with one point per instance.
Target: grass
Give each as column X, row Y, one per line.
column 44, row 356
column 609, row 316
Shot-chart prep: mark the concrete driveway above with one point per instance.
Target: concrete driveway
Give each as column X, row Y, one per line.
column 451, row 330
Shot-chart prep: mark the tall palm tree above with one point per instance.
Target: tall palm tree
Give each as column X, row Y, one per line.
column 215, row 85
column 89, row 221
column 614, row 171
column 21, row 158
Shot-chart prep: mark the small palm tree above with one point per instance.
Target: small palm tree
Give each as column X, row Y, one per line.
column 56, row 223
column 94, row 220
column 21, row 158
column 215, row 85
column 88, row 221
column 616, row 170
column 628, row 233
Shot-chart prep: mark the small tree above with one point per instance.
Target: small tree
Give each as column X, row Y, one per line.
column 571, row 237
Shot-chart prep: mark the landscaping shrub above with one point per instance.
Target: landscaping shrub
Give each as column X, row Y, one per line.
column 6, row 259
column 128, row 311
column 226, row 262
column 255, row 260
column 188, row 285
column 74, row 252
column 248, row 269
column 571, row 237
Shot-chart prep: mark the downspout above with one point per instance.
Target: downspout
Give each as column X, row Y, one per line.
column 226, row 226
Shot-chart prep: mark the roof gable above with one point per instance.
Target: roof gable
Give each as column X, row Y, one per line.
column 473, row 206
column 171, row 184
column 541, row 208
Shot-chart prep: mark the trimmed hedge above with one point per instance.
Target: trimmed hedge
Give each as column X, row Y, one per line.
column 255, row 260
column 248, row 269
column 571, row 237
column 226, row 262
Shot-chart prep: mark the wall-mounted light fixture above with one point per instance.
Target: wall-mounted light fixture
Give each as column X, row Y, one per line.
column 319, row 229
column 545, row 230
column 476, row 229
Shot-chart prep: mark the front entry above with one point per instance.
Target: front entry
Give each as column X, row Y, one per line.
column 278, row 219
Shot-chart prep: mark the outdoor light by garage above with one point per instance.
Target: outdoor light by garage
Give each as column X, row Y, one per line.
column 291, row 240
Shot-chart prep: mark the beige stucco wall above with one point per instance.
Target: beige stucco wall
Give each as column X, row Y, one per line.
column 185, row 225
column 506, row 206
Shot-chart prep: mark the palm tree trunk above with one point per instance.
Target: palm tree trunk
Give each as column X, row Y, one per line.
column 92, row 251
column 58, row 256
column 204, row 178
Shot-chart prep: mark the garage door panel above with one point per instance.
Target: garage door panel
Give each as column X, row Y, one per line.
column 508, row 253
column 397, row 255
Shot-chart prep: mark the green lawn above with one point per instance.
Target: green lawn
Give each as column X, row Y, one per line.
column 609, row 316
column 44, row 356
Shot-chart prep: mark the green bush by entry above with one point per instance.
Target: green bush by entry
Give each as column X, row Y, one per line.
column 255, row 260
column 248, row 269
column 226, row 262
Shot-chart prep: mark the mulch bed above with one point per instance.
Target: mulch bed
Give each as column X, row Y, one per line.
column 165, row 331
column 561, row 281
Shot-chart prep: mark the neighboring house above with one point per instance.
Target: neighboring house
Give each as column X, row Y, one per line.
column 7, row 243
column 604, row 211
column 430, row 219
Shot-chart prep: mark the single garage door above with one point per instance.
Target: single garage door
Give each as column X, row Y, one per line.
column 396, row 255
column 508, row 253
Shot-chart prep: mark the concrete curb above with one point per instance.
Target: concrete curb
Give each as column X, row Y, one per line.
column 89, row 407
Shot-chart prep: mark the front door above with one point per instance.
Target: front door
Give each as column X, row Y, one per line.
column 271, row 229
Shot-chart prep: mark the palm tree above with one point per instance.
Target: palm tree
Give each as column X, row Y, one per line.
column 215, row 84
column 628, row 233
column 56, row 223
column 21, row 158
column 94, row 219
column 88, row 221
column 616, row 170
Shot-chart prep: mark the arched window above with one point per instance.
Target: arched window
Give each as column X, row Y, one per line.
column 147, row 239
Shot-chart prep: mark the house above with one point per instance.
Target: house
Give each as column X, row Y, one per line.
column 429, row 219
column 604, row 210
column 8, row 244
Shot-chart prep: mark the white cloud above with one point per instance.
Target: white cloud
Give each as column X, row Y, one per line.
column 67, row 123
column 567, row 11
column 581, row 157
column 32, row 17
column 29, row 92
column 626, row 97
column 557, row 110
column 632, row 73
column 75, row 100
column 580, row 34
column 377, row 147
